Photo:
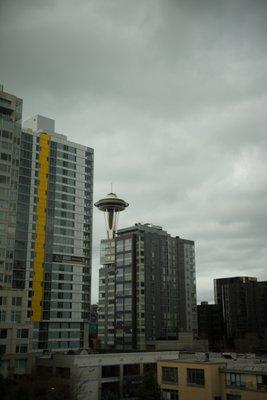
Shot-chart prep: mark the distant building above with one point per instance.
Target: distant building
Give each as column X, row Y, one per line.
column 147, row 288
column 213, row 377
column 210, row 325
column 242, row 301
column 93, row 326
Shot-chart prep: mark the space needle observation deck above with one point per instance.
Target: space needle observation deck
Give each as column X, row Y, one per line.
column 111, row 205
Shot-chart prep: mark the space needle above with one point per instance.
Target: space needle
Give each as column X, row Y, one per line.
column 111, row 205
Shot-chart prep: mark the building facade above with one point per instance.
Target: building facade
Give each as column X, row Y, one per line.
column 210, row 325
column 148, row 291
column 103, row 376
column 242, row 302
column 15, row 328
column 106, row 301
column 213, row 378
column 46, row 238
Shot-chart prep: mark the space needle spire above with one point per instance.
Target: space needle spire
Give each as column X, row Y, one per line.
column 111, row 205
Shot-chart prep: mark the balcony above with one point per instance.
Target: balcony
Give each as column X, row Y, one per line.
column 5, row 107
column 248, row 387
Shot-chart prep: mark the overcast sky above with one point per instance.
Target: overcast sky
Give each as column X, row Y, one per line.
column 172, row 97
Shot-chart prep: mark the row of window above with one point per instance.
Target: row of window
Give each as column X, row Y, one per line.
column 16, row 301
column 123, row 245
column 21, row 333
column 15, row 316
column 194, row 376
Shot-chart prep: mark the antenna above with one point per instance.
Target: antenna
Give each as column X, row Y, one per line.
column 111, row 187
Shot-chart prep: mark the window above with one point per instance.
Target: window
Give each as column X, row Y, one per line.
column 16, row 301
column 127, row 244
column 3, row 333
column 21, row 363
column 170, row 394
column 22, row 348
column 261, row 381
column 119, row 246
column 15, row 316
column 233, row 379
column 127, row 258
column 195, row 377
column 22, row 333
column 169, row 375
column 2, row 301
column 2, row 315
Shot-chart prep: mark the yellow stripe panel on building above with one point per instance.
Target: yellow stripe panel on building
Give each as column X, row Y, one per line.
column 41, row 214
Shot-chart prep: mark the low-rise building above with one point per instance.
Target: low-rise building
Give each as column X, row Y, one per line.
column 213, row 377
column 103, row 376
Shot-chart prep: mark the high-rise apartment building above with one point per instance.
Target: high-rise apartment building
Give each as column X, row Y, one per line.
column 147, row 288
column 242, row 302
column 46, row 187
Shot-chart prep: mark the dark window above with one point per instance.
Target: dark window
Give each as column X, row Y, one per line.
column 195, row 377
column 169, row 394
column 233, row 379
column 22, row 333
column 262, row 382
column 169, row 375
column 3, row 333
column 21, row 348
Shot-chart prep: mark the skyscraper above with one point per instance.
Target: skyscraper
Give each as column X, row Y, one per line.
column 148, row 293
column 46, row 186
column 60, row 234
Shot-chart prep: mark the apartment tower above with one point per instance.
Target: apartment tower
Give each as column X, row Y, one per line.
column 149, row 293
column 46, row 235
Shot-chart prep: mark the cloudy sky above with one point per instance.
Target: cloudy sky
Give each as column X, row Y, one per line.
column 172, row 96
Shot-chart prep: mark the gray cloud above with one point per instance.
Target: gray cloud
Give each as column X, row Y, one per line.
column 172, row 96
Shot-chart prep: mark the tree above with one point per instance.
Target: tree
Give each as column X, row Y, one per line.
column 35, row 387
column 149, row 389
